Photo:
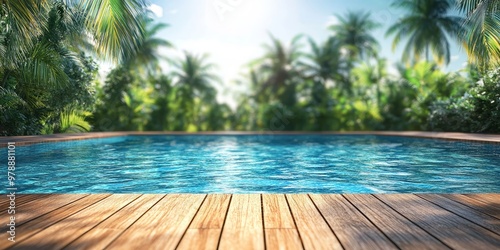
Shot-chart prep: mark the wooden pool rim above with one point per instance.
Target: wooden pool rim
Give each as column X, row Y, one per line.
column 33, row 139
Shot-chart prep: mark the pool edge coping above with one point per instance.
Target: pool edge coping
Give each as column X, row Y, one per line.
column 35, row 139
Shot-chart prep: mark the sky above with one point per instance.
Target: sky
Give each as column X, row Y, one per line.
column 232, row 32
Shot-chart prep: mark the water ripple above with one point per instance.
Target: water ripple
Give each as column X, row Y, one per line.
column 259, row 164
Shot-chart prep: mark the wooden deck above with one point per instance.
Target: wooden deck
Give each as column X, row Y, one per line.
column 254, row 221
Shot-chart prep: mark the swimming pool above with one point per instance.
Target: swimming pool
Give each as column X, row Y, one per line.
column 258, row 164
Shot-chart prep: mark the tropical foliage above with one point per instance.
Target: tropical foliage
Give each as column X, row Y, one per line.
column 427, row 26
column 49, row 81
column 482, row 38
column 353, row 32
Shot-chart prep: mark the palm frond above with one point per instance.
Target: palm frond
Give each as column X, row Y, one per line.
column 73, row 121
column 9, row 99
column 115, row 27
column 480, row 33
column 44, row 67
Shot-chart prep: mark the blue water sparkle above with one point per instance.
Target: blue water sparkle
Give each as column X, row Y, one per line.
column 258, row 164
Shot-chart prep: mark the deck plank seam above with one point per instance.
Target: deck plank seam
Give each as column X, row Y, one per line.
column 404, row 216
column 66, row 204
column 100, row 222
column 191, row 222
column 18, row 197
column 373, row 223
column 326, row 221
column 138, row 218
column 497, row 233
column 472, row 196
column 224, row 221
column 57, row 221
column 262, row 218
column 469, row 205
column 294, row 222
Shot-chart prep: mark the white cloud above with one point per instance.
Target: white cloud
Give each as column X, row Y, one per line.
column 173, row 11
column 455, row 57
column 156, row 9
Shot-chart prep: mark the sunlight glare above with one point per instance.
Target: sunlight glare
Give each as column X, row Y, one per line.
column 233, row 17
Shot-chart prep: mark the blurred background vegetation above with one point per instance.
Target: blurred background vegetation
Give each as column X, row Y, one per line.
column 49, row 80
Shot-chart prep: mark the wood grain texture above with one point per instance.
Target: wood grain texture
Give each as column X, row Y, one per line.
column 71, row 227
column 404, row 233
column 453, row 230
column 33, row 217
column 276, row 212
column 493, row 199
column 482, row 206
column 351, row 227
column 280, row 231
column 253, row 221
column 243, row 228
column 162, row 226
column 313, row 229
column 20, row 199
column 108, row 230
column 471, row 214
column 35, row 208
column 202, row 238
column 205, row 229
column 212, row 212
column 282, row 238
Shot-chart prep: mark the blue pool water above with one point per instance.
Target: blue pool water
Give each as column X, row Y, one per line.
column 258, row 164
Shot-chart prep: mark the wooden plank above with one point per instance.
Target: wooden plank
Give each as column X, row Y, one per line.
column 464, row 211
column 202, row 238
column 453, row 230
column 20, row 199
column 33, row 209
column 276, row 211
column 256, row 222
column 492, row 199
column 38, row 223
column 351, row 227
column 205, row 229
column 108, row 230
column 163, row 225
column 483, row 207
column 212, row 212
column 243, row 228
column 65, row 231
column 401, row 231
column 279, row 227
column 313, row 229
column 282, row 238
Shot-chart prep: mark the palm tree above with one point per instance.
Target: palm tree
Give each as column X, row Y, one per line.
column 326, row 62
column 353, row 31
column 113, row 25
column 193, row 85
column 38, row 40
column 279, row 68
column 427, row 26
column 482, row 38
column 161, row 95
column 147, row 55
column 194, row 73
